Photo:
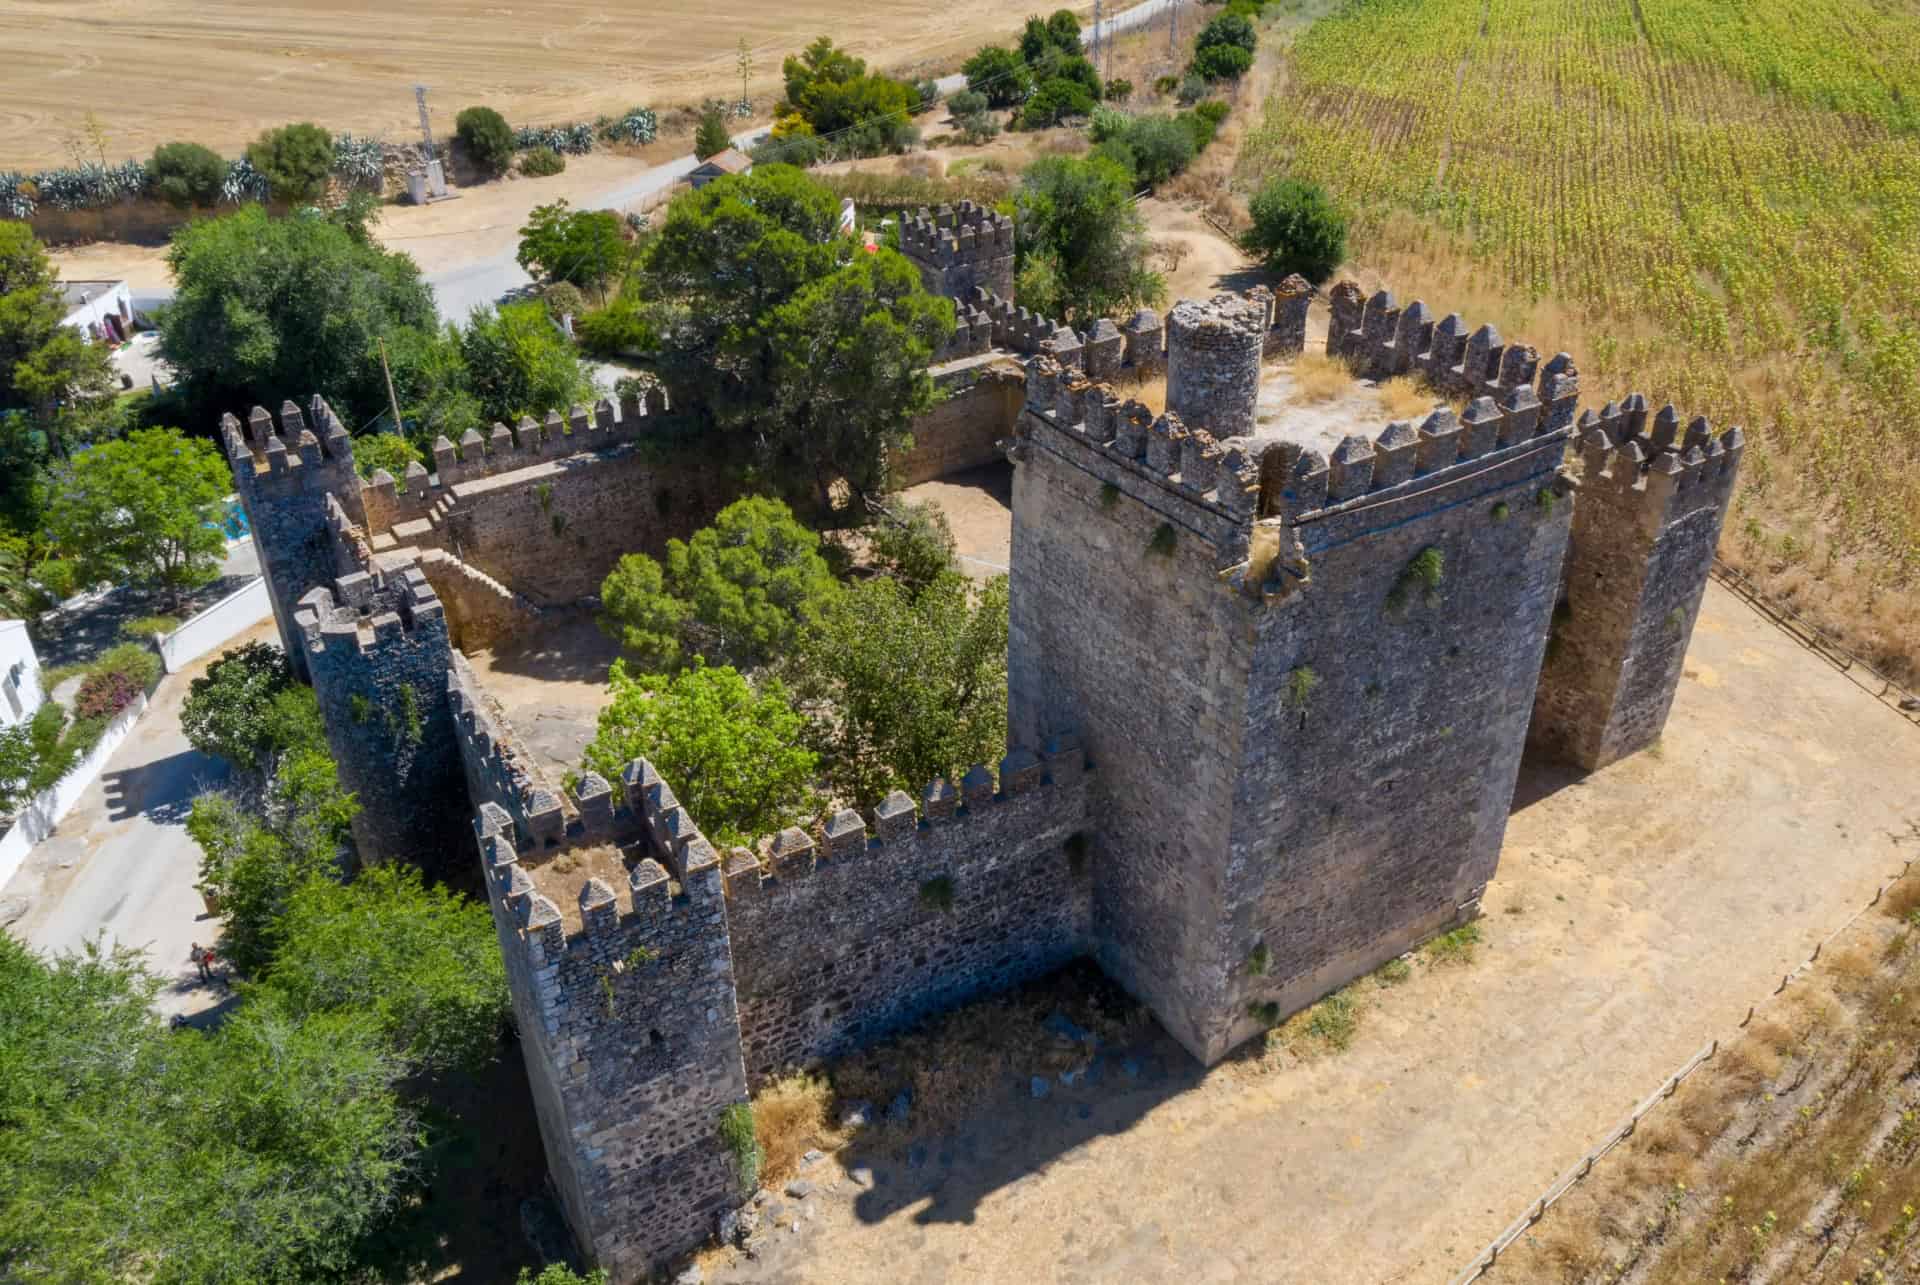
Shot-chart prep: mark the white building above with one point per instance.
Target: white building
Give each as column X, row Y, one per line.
column 20, row 691
column 98, row 309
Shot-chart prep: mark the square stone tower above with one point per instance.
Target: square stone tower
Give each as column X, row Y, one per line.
column 1301, row 652
column 960, row 249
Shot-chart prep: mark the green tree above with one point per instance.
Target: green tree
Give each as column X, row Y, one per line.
column 1000, row 75
column 731, row 753
column 1043, row 39
column 261, row 1151
column 256, row 853
column 1227, row 29
column 819, row 63
column 1153, row 148
column 1080, row 212
column 585, row 247
column 711, row 137
column 739, row 590
column 185, row 174
column 249, row 710
column 390, row 451
column 518, row 363
column 296, row 159
column 1297, row 228
column 267, row 308
column 1221, row 62
column 907, row 688
column 19, row 759
column 806, row 353
column 487, row 139
column 913, row 543
column 144, row 509
column 1056, row 100
column 44, row 364
column 420, row 964
column 433, row 385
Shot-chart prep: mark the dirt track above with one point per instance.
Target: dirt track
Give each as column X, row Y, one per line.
column 219, row 71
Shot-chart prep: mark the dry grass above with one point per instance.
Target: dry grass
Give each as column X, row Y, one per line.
column 790, row 1119
column 1320, row 378
column 1790, row 1156
column 1411, row 397
column 1902, row 900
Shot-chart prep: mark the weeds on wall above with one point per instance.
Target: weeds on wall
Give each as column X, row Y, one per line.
column 1301, row 681
column 1259, row 959
column 1545, row 501
column 405, row 723
column 1456, row 947
column 1109, row 495
column 1162, row 543
column 737, row 1135
column 1076, row 846
column 1423, row 571
column 1501, row 511
column 937, row 893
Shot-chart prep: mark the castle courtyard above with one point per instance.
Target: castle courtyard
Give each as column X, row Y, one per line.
column 1637, row 914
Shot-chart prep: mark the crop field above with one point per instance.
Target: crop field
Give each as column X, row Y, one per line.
column 219, row 71
column 1715, row 202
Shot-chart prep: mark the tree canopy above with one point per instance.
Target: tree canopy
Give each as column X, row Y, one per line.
column 43, row 364
column 296, row 160
column 805, row 351
column 519, row 363
column 144, row 508
column 1297, row 228
column 268, row 308
column 249, row 710
column 734, row 754
column 586, row 248
column 1082, row 241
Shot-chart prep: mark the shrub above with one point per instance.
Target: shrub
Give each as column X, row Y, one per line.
column 141, row 628
column 563, row 299
column 929, row 96
column 967, row 102
column 389, row 451
column 736, row 1133
column 1054, row 102
column 711, row 137
column 1118, row 91
column 1221, row 62
column 1193, row 88
column 638, row 126
column 1229, row 29
column 184, row 174
column 541, row 162
column 1297, row 228
column 104, row 695
column 487, row 138
column 1165, row 84
column 296, row 160
column 1153, row 148
column 619, row 329
column 914, row 544
column 1000, row 75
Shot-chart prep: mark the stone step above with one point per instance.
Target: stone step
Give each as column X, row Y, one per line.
column 416, row 531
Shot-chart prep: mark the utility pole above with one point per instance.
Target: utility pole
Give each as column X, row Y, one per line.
column 426, row 129
column 393, row 402
column 1173, row 30
column 1095, row 51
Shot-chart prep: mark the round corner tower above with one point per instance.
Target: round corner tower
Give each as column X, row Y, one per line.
column 1213, row 363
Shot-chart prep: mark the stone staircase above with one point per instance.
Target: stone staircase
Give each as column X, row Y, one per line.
column 482, row 611
column 429, row 532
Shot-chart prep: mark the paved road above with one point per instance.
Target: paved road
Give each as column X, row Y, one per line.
column 120, row 866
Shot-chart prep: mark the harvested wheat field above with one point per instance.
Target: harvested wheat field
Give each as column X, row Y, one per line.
column 218, row 71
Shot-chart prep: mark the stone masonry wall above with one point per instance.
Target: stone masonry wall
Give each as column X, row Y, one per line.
column 959, row 250
column 1645, row 524
column 835, row 949
column 378, row 653
column 554, row 529
column 1214, row 351
column 1385, row 722
column 964, row 430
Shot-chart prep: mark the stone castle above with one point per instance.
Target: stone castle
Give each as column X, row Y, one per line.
column 1272, row 669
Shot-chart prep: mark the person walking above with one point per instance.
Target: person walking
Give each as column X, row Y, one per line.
column 202, row 960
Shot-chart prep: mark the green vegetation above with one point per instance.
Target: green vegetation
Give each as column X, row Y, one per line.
column 1424, row 570
column 711, row 138
column 487, row 139
column 904, row 687
column 585, row 247
column 734, row 754
column 542, row 162
column 913, row 543
column 1301, row 681
column 972, row 116
column 998, row 75
column 1455, row 947
column 804, row 356
column 263, row 306
column 143, row 510
column 736, row 1132
column 141, row 628
column 44, row 366
column 740, row 590
column 1296, row 228
column 250, row 710
column 936, row 894
column 513, row 362
column 296, row 161
column 186, row 174
column 1393, row 972
column 1161, row 544
column 1701, row 270
column 1082, row 242
column 831, row 93
column 373, row 452
column 1259, row 959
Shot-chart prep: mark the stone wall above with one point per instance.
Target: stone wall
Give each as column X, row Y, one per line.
column 1214, row 351
column 378, row 652
column 627, row 1023
column 959, row 250
column 553, row 530
column 834, row 949
column 1647, row 519
column 964, row 431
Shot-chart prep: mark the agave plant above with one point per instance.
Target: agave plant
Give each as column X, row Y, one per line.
column 639, row 125
column 360, row 162
column 576, row 138
column 16, row 195
column 243, row 183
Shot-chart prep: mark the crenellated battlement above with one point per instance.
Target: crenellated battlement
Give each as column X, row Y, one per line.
column 1014, row 326
column 305, row 452
column 368, row 612
column 1675, row 471
column 968, row 233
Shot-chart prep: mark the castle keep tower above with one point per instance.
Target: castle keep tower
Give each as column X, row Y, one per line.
column 284, row 478
column 1302, row 660
column 1650, row 510
column 959, row 250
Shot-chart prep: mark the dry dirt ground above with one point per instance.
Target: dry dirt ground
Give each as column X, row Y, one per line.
column 219, row 71
column 551, row 685
column 1638, row 912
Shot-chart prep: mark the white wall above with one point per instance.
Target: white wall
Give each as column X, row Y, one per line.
column 38, row 816
column 234, row 614
column 114, row 298
column 20, row 692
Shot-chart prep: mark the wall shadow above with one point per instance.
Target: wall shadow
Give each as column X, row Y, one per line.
column 162, row 790
column 1542, row 778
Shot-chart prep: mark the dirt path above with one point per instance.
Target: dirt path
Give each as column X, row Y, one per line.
column 1637, row 912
